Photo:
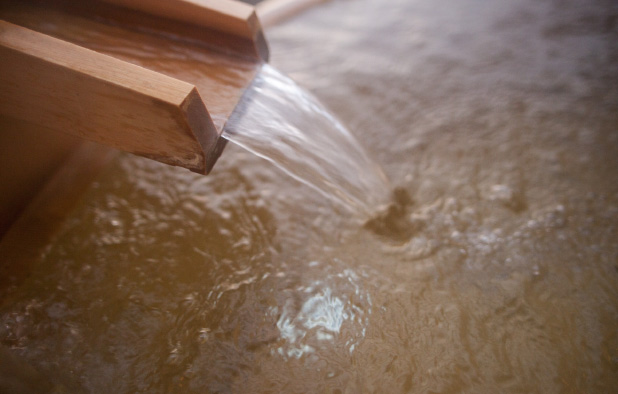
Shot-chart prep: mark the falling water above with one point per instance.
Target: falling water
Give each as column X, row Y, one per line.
column 286, row 125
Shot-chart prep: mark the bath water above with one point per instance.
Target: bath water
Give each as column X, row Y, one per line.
column 286, row 125
column 496, row 272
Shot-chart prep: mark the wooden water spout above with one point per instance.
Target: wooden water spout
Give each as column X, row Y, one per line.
column 49, row 82
column 113, row 72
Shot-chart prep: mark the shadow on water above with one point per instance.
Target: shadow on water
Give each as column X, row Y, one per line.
column 393, row 223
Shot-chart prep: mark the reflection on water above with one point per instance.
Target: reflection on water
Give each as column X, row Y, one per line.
column 495, row 270
column 322, row 316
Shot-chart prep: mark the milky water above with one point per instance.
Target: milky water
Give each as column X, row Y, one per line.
column 286, row 125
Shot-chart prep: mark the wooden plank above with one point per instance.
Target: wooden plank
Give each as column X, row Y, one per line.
column 60, row 85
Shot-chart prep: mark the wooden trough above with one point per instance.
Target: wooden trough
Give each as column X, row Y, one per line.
column 57, row 84
column 59, row 88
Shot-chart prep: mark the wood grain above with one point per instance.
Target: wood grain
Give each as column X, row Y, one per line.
column 57, row 84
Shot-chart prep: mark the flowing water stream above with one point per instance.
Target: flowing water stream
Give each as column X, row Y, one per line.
column 273, row 122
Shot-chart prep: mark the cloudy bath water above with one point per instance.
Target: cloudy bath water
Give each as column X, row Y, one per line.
column 495, row 270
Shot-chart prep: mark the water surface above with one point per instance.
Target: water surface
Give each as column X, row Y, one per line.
column 496, row 272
